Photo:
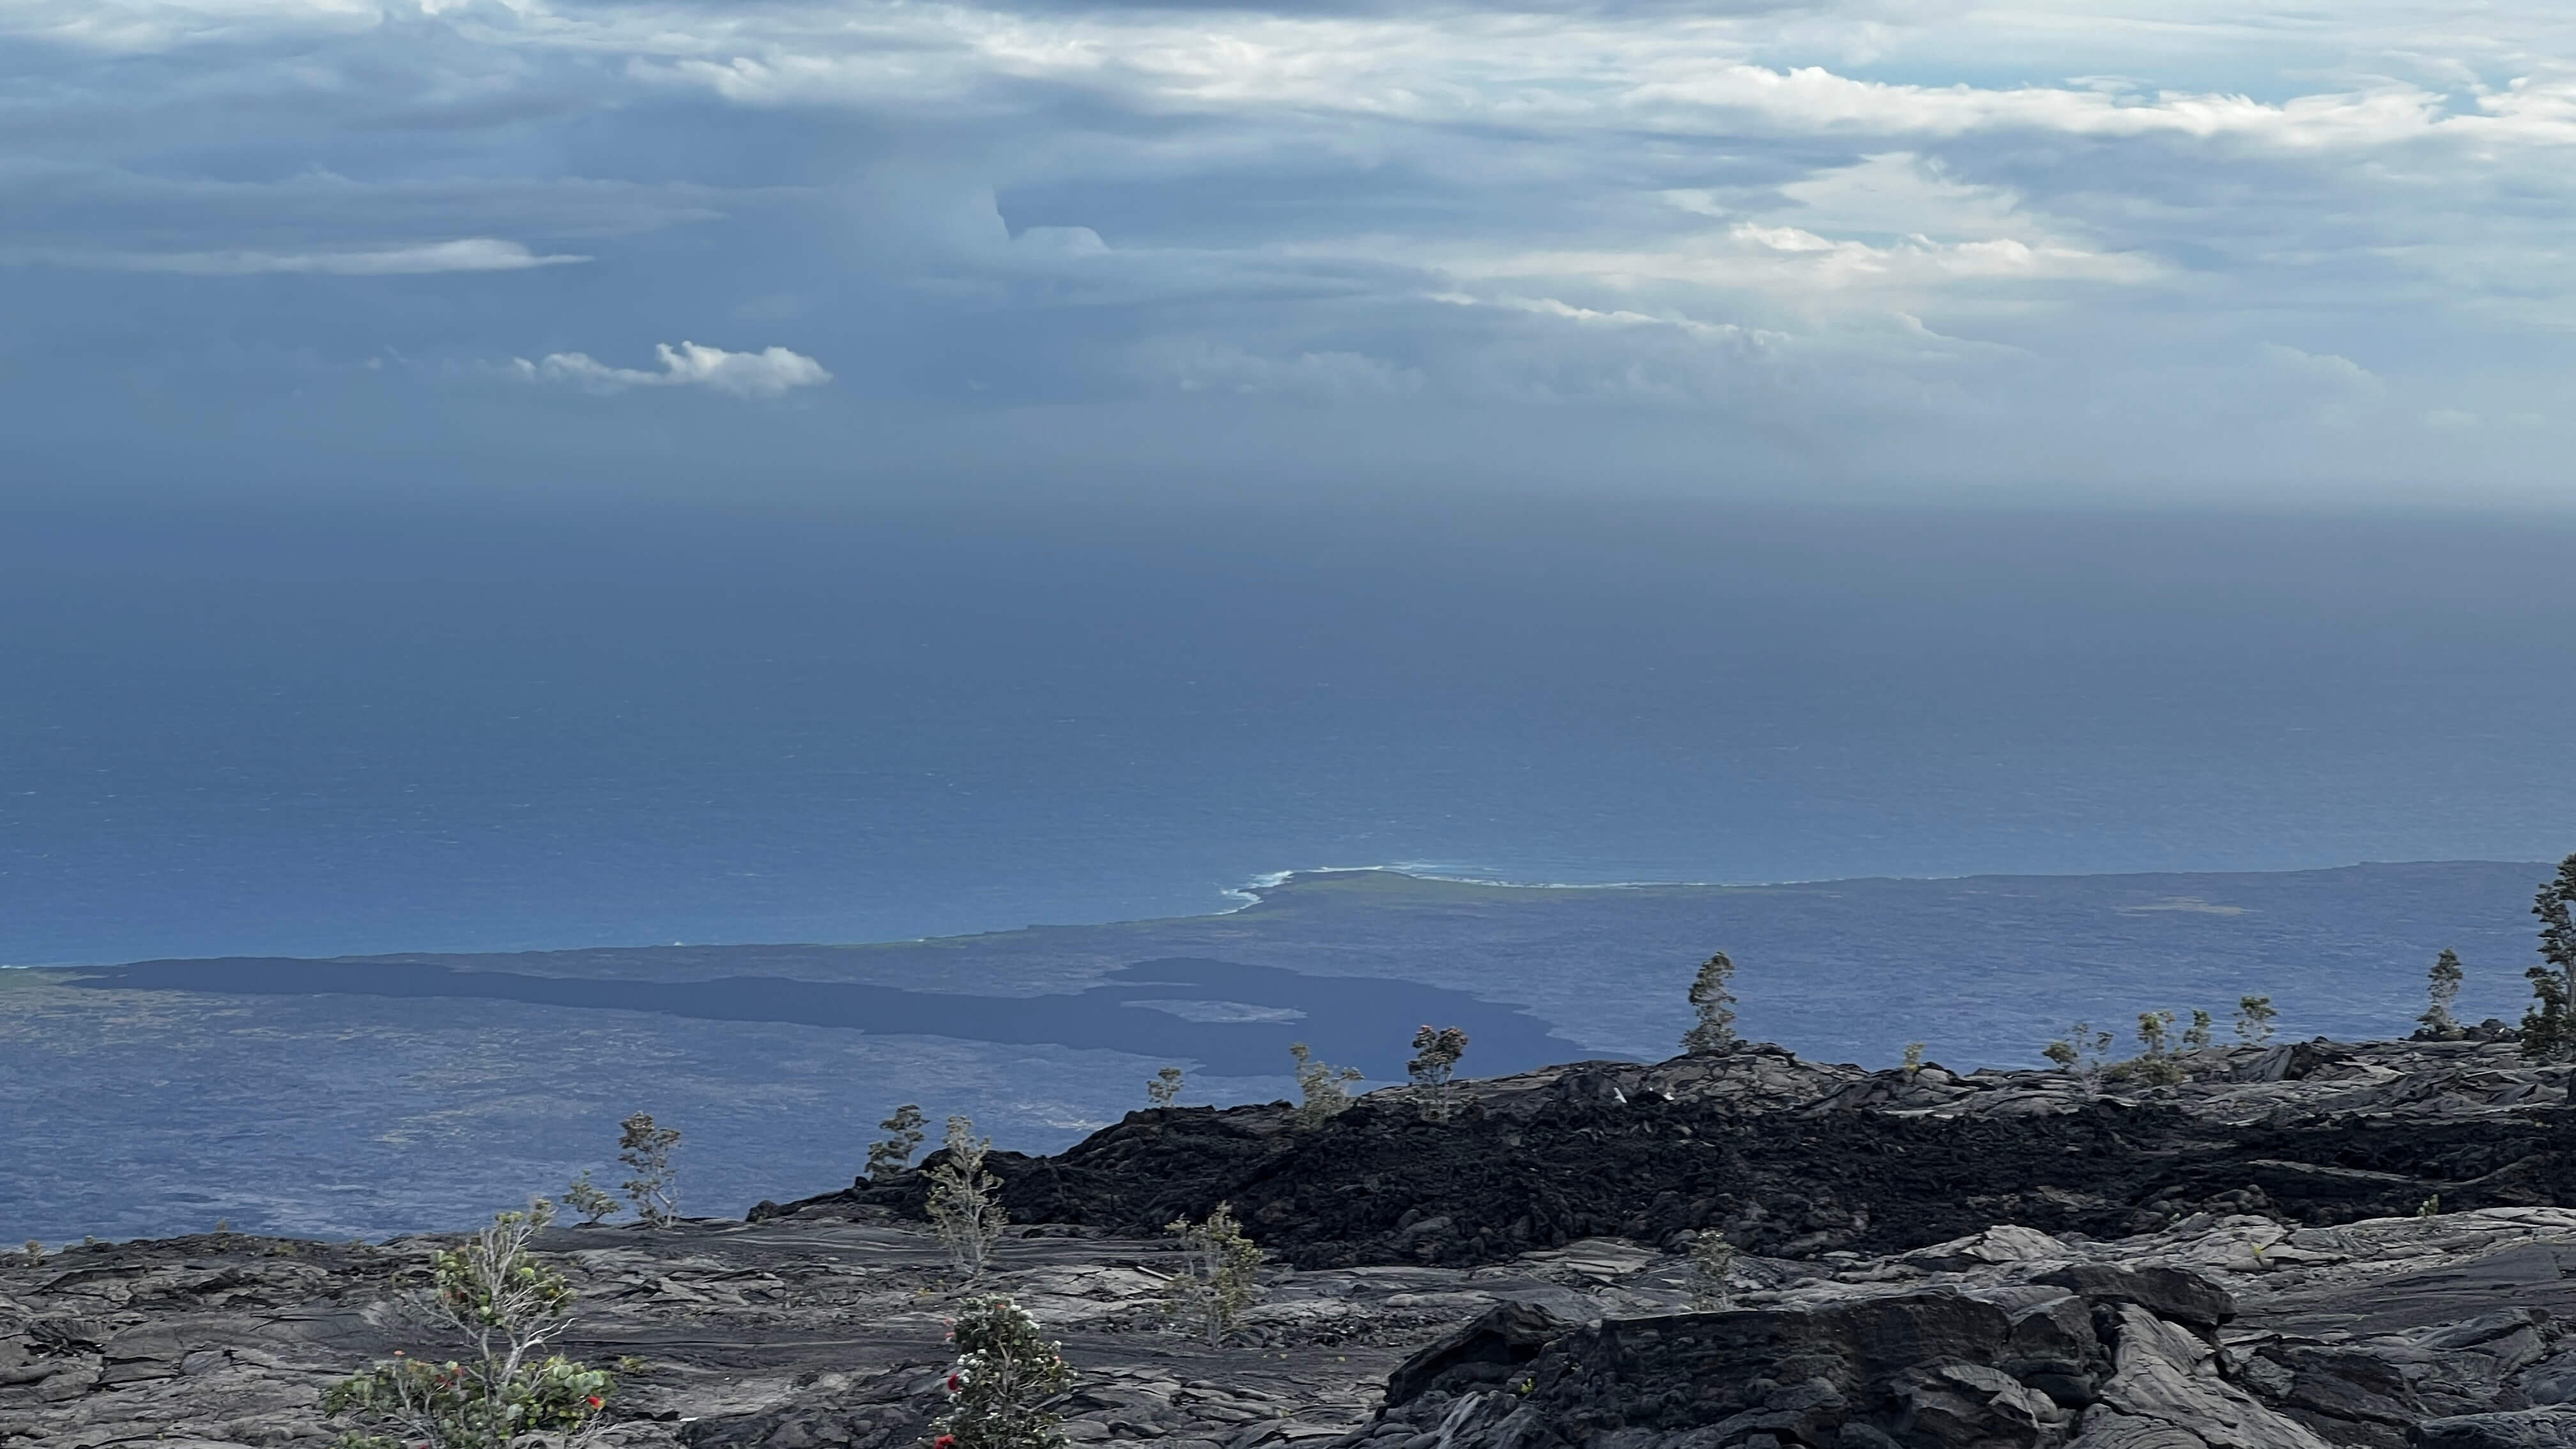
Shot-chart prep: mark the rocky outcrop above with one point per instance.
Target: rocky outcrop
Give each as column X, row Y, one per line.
column 2216, row 1339
column 1790, row 1158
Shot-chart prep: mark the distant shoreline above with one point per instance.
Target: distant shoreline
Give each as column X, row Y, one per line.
column 1262, row 889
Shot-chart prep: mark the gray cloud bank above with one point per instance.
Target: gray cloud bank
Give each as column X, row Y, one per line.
column 2178, row 246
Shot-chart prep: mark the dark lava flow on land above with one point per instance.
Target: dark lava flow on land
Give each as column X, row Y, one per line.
column 2301, row 1245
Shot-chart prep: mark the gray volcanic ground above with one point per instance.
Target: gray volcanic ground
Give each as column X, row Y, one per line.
column 405, row 1092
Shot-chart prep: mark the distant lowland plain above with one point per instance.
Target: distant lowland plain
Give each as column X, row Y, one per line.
column 388, row 1093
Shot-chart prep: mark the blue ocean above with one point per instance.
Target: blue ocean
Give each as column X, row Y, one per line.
column 327, row 725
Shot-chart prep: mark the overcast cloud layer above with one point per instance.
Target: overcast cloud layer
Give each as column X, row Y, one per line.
column 2174, row 246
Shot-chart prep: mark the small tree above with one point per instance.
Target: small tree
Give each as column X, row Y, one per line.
column 1217, row 1280
column 646, row 1151
column 2196, row 1036
column 1004, row 1376
column 1712, row 1271
column 2155, row 1061
column 2080, row 1051
column 1913, row 1061
column 35, row 1251
column 2441, row 988
column 1713, row 1005
column 2254, row 1019
column 966, row 1201
column 506, row 1305
column 1326, row 1089
column 586, row 1198
column 893, row 1152
column 1435, row 1061
column 2546, row 1031
column 1165, row 1087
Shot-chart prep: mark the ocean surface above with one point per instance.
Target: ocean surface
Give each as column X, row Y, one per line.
column 319, row 726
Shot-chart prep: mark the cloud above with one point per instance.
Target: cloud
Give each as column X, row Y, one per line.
column 1212, row 367
column 766, row 373
column 1967, row 242
column 473, row 254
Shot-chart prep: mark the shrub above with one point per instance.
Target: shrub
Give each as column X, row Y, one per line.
column 2154, row 1063
column 1913, row 1059
column 504, row 1305
column 1325, row 1089
column 2254, row 1019
column 1712, row 1271
column 1219, row 1273
column 585, row 1198
column 646, row 1151
column 892, row 1153
column 1165, row 1086
column 2196, row 1035
column 35, row 1251
column 1713, row 1005
column 1435, row 1061
column 1004, row 1375
column 965, row 1201
column 2080, row 1051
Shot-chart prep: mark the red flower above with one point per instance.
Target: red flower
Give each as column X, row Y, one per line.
column 593, row 1401
column 952, row 1383
column 944, row 1441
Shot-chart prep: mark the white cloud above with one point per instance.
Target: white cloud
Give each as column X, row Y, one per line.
column 2015, row 221
column 473, row 254
column 766, row 373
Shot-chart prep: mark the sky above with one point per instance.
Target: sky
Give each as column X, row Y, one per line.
column 2148, row 248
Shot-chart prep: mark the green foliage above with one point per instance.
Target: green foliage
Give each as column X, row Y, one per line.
column 1435, row 1061
column 1164, row 1088
column 1325, row 1089
column 646, row 1151
column 1712, row 1271
column 2080, row 1051
column 2154, row 1064
column 2441, row 988
column 892, row 1153
column 966, row 1201
column 586, row 1198
column 2547, row 1033
column 2152, row 1026
column 451, row 1406
column 1913, row 1058
column 1004, row 1375
column 2254, row 1019
column 2196, row 1036
column 1713, row 1007
column 2431, row 1207
column 35, row 1253
column 504, row 1305
column 1219, row 1272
